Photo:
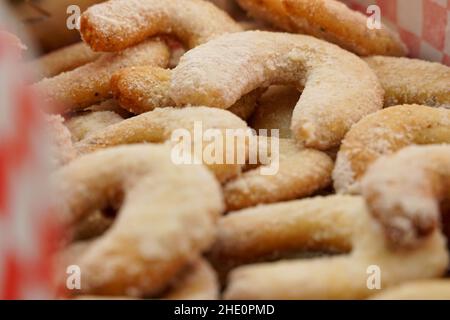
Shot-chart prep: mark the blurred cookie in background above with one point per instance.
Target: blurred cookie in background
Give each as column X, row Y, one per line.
column 231, row 7
column 46, row 20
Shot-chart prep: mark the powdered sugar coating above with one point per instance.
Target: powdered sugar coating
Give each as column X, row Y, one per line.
column 158, row 125
column 335, row 22
column 142, row 89
column 198, row 281
column 404, row 191
column 117, row 24
column 301, row 172
column 153, row 236
column 90, row 83
column 146, row 88
column 62, row 60
column 338, row 223
column 81, row 126
column 339, row 88
column 330, row 20
column 383, row 133
column 409, row 81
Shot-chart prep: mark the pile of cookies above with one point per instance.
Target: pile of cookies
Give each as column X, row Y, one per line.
column 360, row 135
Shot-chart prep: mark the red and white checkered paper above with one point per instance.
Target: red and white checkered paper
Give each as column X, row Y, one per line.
column 26, row 231
column 424, row 25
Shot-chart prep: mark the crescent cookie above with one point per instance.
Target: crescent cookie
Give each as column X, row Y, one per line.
column 300, row 172
column 118, row 24
column 330, row 20
column 339, row 88
column 146, row 88
column 412, row 81
column 145, row 247
column 383, row 133
column 404, row 191
column 90, row 83
column 158, row 126
column 62, row 60
column 336, row 223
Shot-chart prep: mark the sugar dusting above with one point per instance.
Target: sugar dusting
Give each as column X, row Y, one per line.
column 148, row 243
column 409, row 81
column 383, row 133
column 118, row 24
column 339, row 88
